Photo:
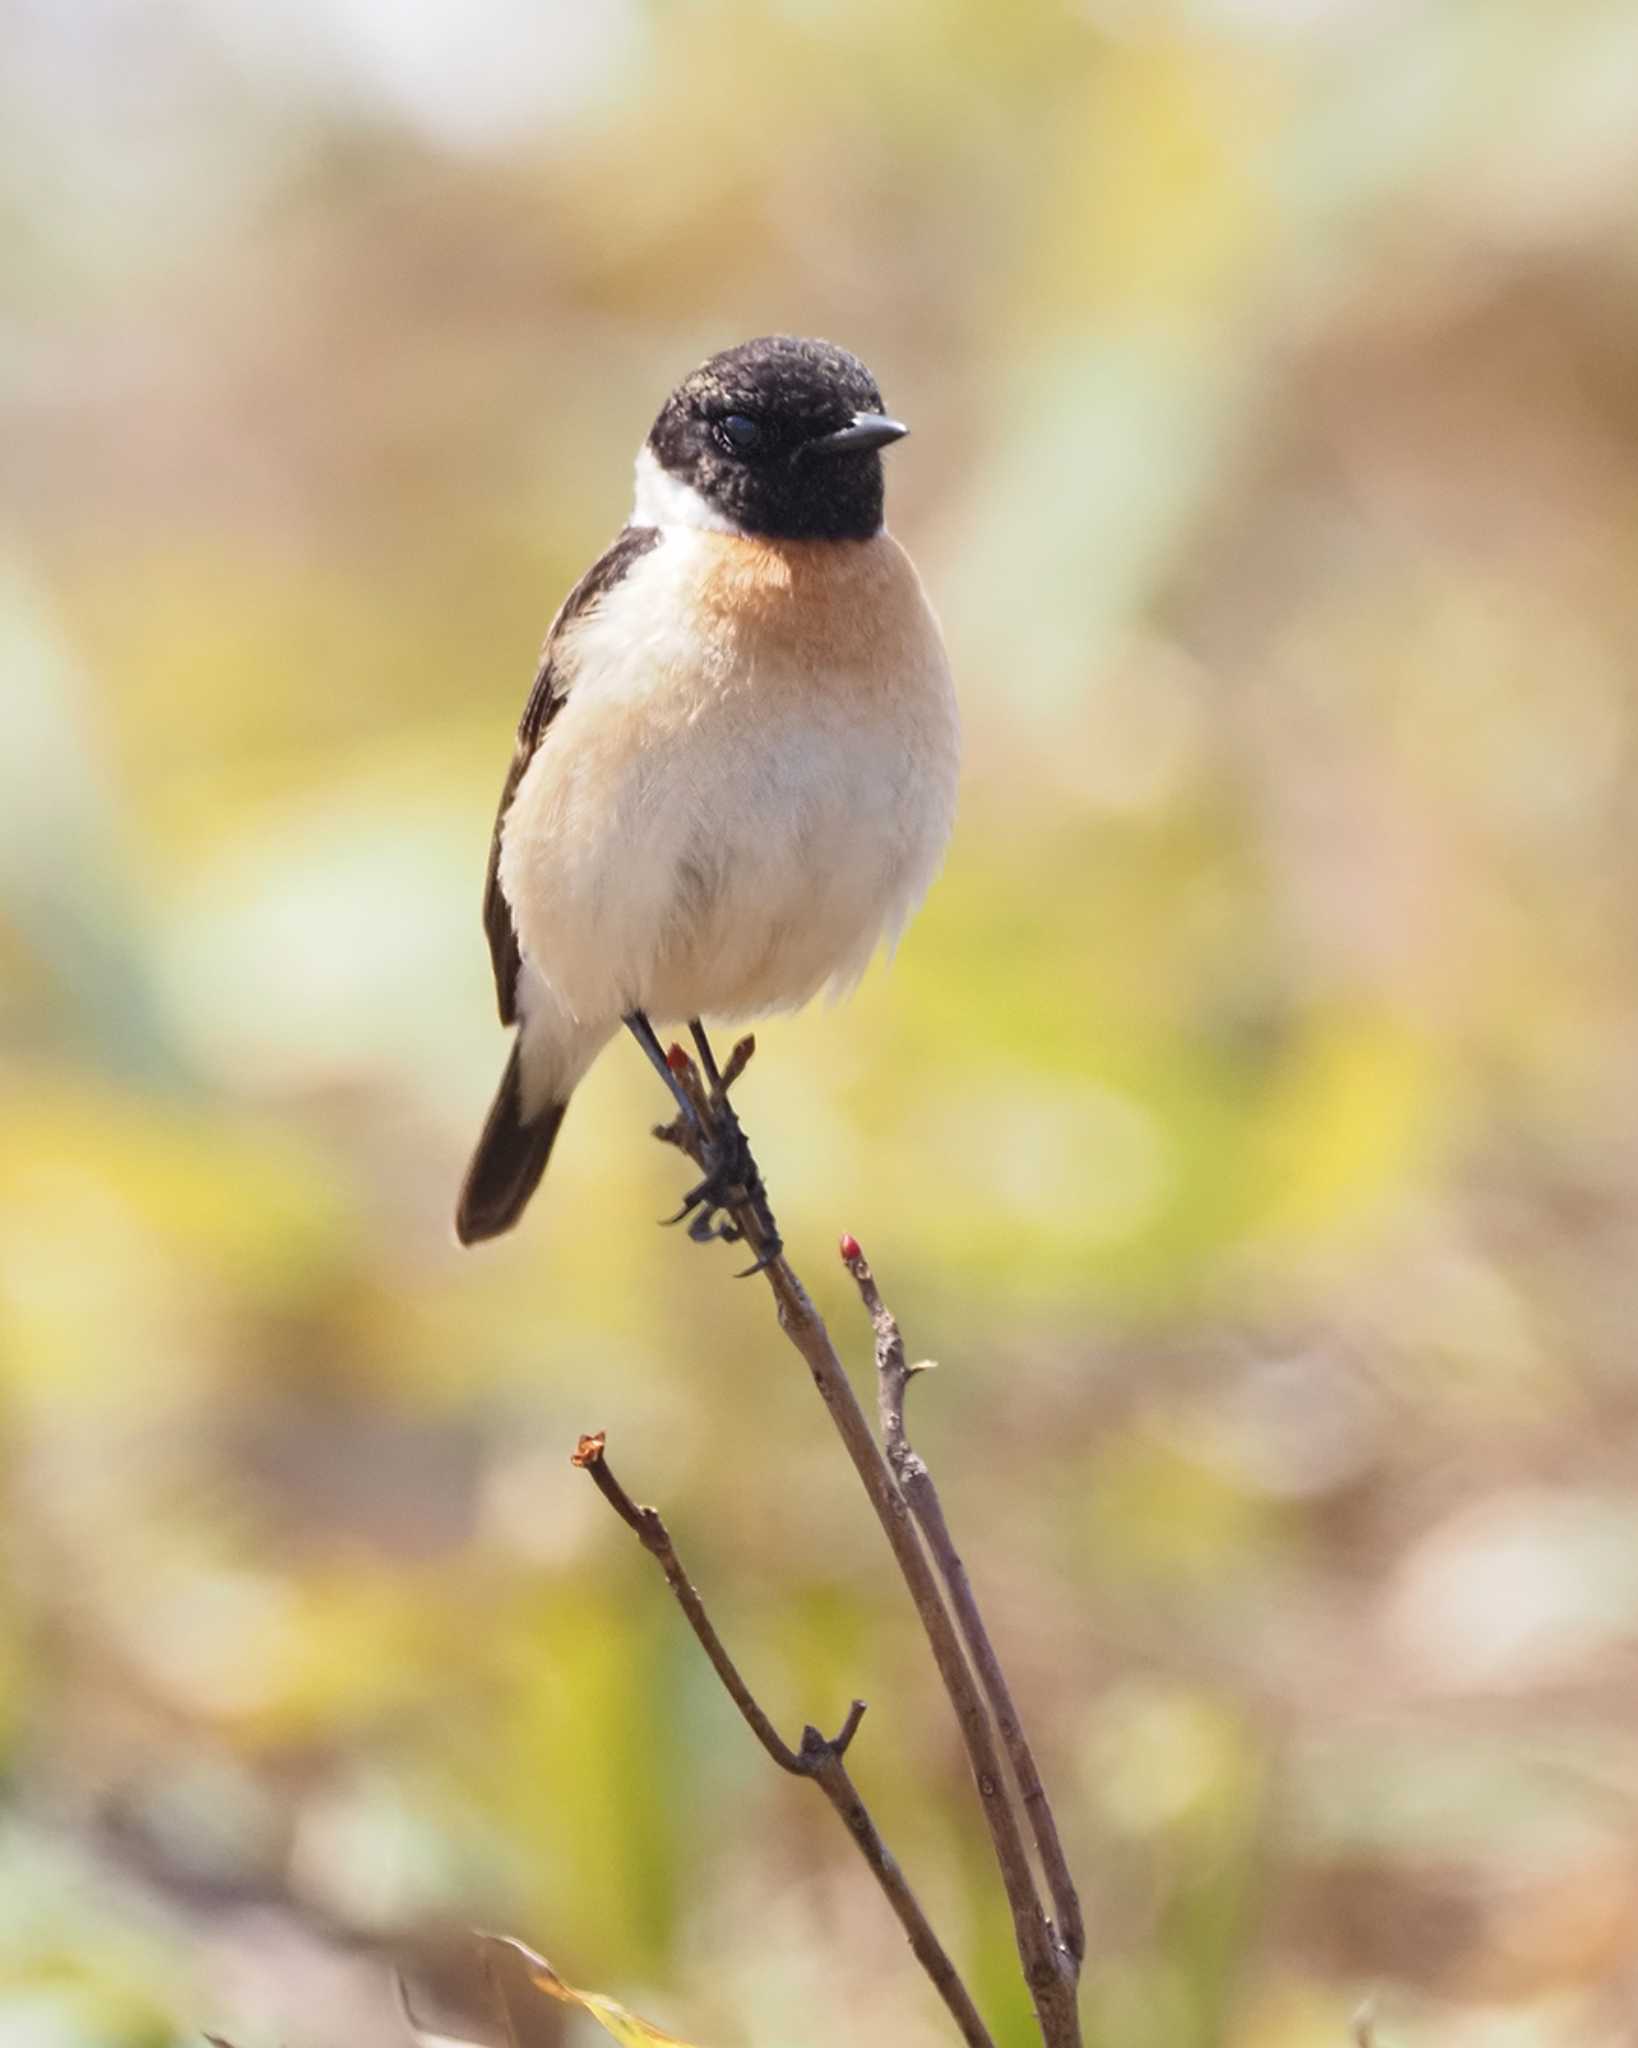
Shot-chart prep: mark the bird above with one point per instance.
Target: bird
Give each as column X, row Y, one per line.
column 735, row 774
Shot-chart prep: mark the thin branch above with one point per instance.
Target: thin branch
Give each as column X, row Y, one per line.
column 916, row 1484
column 1050, row 1982
column 819, row 1758
column 1050, row 1970
column 656, row 1540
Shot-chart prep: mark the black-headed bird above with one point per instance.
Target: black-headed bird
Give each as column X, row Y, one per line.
column 736, row 772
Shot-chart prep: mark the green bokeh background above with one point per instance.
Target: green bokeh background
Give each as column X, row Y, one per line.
column 1249, row 1125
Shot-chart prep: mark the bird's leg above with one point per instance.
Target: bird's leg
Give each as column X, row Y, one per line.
column 709, row 1131
column 732, row 1178
column 731, row 1140
column 691, row 1130
column 708, row 1059
column 643, row 1031
column 731, row 1137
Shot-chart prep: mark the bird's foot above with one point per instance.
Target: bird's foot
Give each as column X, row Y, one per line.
column 731, row 1193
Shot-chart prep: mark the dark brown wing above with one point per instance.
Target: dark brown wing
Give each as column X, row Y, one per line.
column 545, row 700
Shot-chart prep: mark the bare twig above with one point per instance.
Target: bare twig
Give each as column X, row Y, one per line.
column 652, row 1533
column 1050, row 1969
column 916, row 1484
column 819, row 1758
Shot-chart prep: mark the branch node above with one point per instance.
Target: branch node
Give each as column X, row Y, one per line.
column 901, row 1493
column 1046, row 1953
column 849, row 1728
column 588, row 1455
column 817, row 1758
column 738, row 1060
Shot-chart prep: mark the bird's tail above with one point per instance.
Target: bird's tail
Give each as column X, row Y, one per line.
column 511, row 1157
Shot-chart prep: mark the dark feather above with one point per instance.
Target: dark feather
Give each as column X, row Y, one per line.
column 545, row 700
column 508, row 1163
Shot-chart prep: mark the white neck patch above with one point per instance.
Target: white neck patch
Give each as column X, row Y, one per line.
column 665, row 500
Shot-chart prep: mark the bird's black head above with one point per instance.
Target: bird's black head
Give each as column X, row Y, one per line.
column 781, row 437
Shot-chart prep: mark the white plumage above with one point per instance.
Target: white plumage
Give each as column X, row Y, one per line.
column 735, row 774
column 750, row 784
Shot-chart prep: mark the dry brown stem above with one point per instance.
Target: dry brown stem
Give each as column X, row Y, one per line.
column 819, row 1757
column 1049, row 1955
column 916, row 1484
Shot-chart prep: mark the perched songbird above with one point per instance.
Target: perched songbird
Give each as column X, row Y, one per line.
column 736, row 772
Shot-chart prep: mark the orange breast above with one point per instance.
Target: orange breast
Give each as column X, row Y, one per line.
column 847, row 609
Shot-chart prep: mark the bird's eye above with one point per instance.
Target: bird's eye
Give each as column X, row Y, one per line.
column 739, row 433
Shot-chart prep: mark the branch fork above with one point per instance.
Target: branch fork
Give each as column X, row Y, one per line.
column 819, row 1757
column 1048, row 1929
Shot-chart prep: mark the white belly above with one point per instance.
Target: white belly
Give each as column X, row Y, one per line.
column 722, row 820
column 794, row 876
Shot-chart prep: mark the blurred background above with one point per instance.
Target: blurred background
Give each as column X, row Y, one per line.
column 1249, row 1125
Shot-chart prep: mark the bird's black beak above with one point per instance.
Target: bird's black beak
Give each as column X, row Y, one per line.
column 864, row 432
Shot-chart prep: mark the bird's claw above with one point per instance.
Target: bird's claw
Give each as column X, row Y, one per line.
column 707, row 1229
column 775, row 1250
column 731, row 1184
column 712, row 1135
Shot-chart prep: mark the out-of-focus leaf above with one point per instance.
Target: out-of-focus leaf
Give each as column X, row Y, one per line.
column 613, row 2018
